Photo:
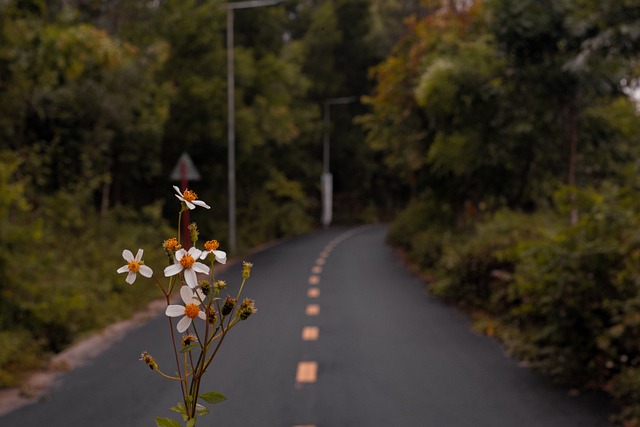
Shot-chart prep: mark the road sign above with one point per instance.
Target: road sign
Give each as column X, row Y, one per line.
column 185, row 170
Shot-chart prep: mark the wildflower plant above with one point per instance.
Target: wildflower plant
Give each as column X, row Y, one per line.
column 200, row 316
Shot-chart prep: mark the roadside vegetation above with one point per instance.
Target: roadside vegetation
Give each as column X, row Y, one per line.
column 511, row 124
column 499, row 138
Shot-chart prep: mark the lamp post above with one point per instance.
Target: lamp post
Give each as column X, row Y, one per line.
column 326, row 180
column 231, row 116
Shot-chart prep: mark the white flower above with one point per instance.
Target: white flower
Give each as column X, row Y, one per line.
column 212, row 248
column 187, row 261
column 190, row 310
column 189, row 198
column 134, row 265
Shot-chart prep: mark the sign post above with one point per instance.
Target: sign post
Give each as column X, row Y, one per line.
column 184, row 171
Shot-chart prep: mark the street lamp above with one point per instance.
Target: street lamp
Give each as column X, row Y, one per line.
column 231, row 116
column 326, row 180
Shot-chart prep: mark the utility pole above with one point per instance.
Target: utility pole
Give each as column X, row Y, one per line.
column 231, row 113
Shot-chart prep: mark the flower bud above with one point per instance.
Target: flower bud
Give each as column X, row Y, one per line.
column 193, row 232
column 247, row 308
column 149, row 360
column 246, row 269
column 228, row 305
column 219, row 285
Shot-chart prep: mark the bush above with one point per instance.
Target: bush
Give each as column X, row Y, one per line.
column 58, row 267
column 569, row 289
column 473, row 270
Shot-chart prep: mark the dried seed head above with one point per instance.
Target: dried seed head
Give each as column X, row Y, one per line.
column 188, row 339
column 205, row 287
column 247, row 308
column 149, row 360
column 228, row 305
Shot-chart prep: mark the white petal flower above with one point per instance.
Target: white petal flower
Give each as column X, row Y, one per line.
column 134, row 265
column 211, row 247
column 190, row 198
column 190, row 310
column 186, row 262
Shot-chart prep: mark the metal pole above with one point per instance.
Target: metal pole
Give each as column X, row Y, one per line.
column 231, row 113
column 326, row 180
column 231, row 133
column 325, row 143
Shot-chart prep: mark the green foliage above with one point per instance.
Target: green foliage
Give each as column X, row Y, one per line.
column 213, row 397
column 58, row 282
column 564, row 298
column 473, row 269
column 568, row 289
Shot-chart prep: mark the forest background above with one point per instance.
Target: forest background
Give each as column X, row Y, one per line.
column 499, row 138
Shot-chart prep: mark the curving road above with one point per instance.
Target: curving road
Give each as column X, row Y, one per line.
column 344, row 336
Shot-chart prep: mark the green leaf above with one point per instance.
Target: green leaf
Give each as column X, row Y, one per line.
column 213, row 397
column 189, row 348
column 191, row 422
column 201, row 409
column 166, row 422
column 179, row 408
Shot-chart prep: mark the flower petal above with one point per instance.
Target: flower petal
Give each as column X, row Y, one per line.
column 200, row 268
column 195, row 252
column 201, row 204
column 172, row 270
column 123, row 269
column 183, row 324
column 139, row 255
column 190, row 277
column 202, row 315
column 127, row 255
column 221, row 256
column 186, row 294
column 174, row 310
column 189, row 204
column 131, row 277
column 145, row 271
column 175, row 187
column 180, row 253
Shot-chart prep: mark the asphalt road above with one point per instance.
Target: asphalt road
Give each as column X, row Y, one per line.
column 378, row 351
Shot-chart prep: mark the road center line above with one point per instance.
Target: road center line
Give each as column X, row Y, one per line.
column 312, row 310
column 307, row 372
column 310, row 333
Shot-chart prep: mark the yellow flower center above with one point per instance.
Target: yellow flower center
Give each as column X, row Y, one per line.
column 172, row 244
column 191, row 310
column 134, row 266
column 189, row 195
column 211, row 245
column 187, row 261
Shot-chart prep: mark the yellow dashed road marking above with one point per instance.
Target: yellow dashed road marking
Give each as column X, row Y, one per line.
column 313, row 292
column 307, row 372
column 314, row 280
column 312, row 310
column 316, row 269
column 310, row 333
